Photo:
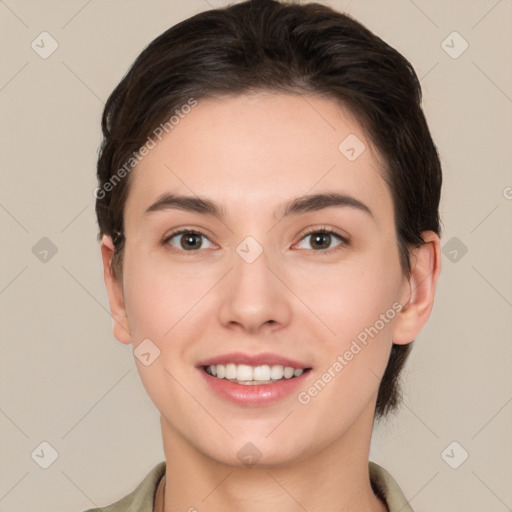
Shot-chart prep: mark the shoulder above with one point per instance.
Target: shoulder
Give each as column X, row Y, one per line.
column 140, row 499
column 386, row 488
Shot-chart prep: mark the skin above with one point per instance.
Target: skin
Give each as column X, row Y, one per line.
column 252, row 155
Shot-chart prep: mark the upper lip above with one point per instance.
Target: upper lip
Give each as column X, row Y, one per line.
column 265, row 358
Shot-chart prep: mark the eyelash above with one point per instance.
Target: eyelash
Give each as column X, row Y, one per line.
column 343, row 240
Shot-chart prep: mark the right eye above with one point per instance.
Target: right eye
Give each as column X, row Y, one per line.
column 187, row 240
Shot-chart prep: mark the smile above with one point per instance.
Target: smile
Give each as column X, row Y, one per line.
column 253, row 375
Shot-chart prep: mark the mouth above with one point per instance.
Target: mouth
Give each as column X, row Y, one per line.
column 253, row 380
column 248, row 375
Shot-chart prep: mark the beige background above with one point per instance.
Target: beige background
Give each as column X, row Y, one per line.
column 66, row 381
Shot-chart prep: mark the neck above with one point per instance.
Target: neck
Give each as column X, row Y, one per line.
column 335, row 479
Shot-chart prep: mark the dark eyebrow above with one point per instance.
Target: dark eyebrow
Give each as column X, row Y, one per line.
column 310, row 203
column 186, row 203
column 302, row 204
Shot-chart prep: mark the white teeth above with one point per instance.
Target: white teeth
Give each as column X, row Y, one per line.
column 221, row 371
column 288, row 372
column 261, row 373
column 231, row 372
column 276, row 372
column 244, row 372
column 250, row 375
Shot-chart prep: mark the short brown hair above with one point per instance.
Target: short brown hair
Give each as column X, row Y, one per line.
column 269, row 45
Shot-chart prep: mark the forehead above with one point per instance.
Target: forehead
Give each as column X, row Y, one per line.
column 262, row 149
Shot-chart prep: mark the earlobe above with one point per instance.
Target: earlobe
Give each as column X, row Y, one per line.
column 425, row 270
column 120, row 327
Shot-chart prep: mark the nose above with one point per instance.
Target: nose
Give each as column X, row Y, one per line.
column 253, row 298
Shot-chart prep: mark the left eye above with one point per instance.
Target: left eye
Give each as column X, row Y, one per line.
column 189, row 241
column 320, row 240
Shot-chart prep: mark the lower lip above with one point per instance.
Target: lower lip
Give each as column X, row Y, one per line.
column 254, row 395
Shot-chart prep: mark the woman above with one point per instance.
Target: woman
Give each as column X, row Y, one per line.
column 268, row 210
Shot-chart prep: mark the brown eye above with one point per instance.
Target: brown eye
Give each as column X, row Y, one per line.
column 321, row 240
column 189, row 241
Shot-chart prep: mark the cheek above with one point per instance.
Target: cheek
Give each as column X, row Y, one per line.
column 357, row 305
column 162, row 306
column 349, row 298
column 158, row 296
column 360, row 308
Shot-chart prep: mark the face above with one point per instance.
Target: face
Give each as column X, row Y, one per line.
column 255, row 242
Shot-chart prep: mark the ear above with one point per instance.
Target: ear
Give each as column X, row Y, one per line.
column 425, row 270
column 120, row 327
